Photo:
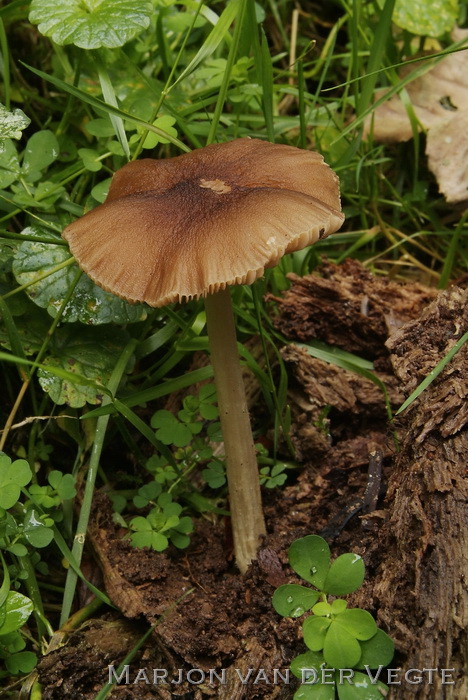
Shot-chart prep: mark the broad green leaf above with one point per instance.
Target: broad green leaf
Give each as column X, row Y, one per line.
column 13, row 476
column 315, row 630
column 361, row 688
column 340, row 649
column 12, row 123
column 30, row 329
column 346, row 574
column 9, row 163
column 304, row 665
column 17, row 609
column 89, row 304
column 310, row 558
column 377, row 651
column 425, row 18
column 91, row 24
column 359, row 623
column 34, row 530
column 315, row 692
column 292, row 600
column 89, row 353
column 101, row 105
column 41, row 150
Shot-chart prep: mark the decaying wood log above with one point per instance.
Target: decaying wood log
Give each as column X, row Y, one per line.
column 423, row 547
column 421, row 552
column 346, row 306
column 329, row 403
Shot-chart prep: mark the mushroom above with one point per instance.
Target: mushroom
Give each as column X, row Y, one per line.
column 191, row 226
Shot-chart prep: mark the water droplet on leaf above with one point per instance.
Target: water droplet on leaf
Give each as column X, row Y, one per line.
column 297, row 612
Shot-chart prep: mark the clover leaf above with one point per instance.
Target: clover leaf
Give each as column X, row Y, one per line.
column 64, row 484
column 376, row 651
column 170, row 431
column 293, row 600
column 37, row 530
column 13, row 476
column 214, row 474
column 310, row 558
column 345, row 575
column 91, row 24
column 163, row 523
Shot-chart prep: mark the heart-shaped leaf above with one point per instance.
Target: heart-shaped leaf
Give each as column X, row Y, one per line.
column 315, row 630
column 308, row 666
column 357, row 622
column 292, row 600
column 315, row 692
column 340, row 649
column 361, row 688
column 310, row 558
column 377, row 651
column 346, row 574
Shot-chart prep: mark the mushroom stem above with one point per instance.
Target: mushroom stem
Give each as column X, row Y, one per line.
column 241, row 461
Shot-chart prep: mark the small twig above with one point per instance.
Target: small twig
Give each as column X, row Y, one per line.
column 374, row 479
column 31, row 419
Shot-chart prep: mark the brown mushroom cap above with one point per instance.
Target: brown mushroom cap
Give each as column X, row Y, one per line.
column 177, row 229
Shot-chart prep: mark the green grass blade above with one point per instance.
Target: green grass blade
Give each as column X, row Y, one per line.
column 6, row 64
column 146, row 431
column 213, row 40
column 156, row 392
column 83, row 520
column 358, row 365
column 451, row 254
column 377, row 51
column 266, row 73
column 240, row 12
column 109, row 96
column 102, row 106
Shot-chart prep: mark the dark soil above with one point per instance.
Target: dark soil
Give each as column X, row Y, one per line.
column 406, row 521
